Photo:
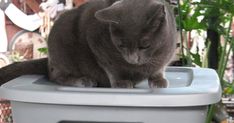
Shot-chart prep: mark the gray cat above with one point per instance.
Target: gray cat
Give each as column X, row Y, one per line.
column 106, row 43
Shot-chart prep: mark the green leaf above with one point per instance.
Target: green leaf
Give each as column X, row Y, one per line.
column 196, row 58
column 43, row 50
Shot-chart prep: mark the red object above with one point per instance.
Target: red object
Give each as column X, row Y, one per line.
column 79, row 2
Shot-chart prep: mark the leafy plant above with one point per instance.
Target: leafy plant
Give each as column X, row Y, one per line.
column 208, row 15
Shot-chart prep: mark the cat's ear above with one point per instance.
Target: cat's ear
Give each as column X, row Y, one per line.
column 110, row 14
column 157, row 12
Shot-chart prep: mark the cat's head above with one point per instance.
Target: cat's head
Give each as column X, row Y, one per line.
column 135, row 27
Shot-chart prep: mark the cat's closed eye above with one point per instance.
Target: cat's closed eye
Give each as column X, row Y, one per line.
column 116, row 31
column 121, row 43
column 122, row 46
column 145, row 46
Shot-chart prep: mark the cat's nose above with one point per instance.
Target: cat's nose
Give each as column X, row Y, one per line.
column 133, row 58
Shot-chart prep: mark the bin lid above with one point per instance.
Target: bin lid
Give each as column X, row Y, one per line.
column 187, row 87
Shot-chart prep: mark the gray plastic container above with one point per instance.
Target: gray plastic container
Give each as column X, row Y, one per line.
column 35, row 100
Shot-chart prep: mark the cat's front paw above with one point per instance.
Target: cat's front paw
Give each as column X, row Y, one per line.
column 158, row 83
column 123, row 84
column 84, row 82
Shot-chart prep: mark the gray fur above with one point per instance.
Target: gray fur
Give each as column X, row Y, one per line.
column 115, row 43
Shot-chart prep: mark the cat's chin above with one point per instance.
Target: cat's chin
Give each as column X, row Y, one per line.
column 135, row 62
column 138, row 63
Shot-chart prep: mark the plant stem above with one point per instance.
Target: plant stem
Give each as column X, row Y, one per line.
column 188, row 58
column 225, row 46
column 181, row 32
column 225, row 54
column 205, row 59
column 210, row 113
column 226, row 60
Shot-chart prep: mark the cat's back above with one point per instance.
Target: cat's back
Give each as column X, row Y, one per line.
column 69, row 29
column 84, row 11
column 77, row 19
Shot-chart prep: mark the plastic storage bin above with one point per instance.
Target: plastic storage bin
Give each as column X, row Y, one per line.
column 36, row 100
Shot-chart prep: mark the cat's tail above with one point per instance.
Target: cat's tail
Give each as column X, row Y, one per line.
column 16, row 69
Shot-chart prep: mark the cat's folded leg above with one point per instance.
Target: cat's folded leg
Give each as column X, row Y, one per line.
column 122, row 84
column 76, row 82
column 157, row 81
column 70, row 78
